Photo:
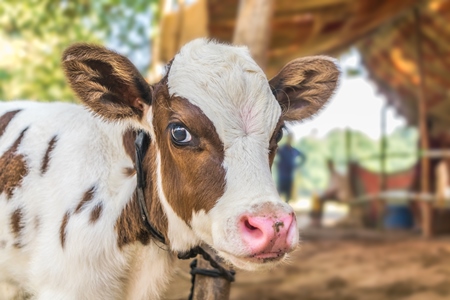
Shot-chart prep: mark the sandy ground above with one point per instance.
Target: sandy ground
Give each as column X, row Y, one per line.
column 347, row 265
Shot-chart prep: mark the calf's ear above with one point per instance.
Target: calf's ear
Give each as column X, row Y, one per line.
column 107, row 82
column 304, row 85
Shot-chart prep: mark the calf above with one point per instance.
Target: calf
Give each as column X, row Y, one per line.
column 70, row 221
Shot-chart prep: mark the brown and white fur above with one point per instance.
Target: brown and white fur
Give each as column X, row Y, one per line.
column 69, row 219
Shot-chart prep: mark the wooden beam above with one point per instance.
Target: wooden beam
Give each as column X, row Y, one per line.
column 380, row 202
column 426, row 206
column 383, row 149
column 154, row 74
column 253, row 28
column 209, row 287
column 348, row 147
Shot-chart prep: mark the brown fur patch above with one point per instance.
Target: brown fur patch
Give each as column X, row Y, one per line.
column 13, row 168
column 62, row 229
column 108, row 83
column 273, row 145
column 96, row 213
column 17, row 226
column 88, row 196
column 46, row 159
column 128, row 143
column 16, row 222
column 129, row 172
column 192, row 176
column 129, row 226
column 5, row 119
column 128, row 139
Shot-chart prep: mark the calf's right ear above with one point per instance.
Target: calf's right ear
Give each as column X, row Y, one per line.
column 107, row 82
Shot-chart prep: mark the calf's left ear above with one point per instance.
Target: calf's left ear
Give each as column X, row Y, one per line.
column 304, row 85
column 107, row 82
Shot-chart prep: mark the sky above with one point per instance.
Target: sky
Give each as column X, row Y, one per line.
column 355, row 105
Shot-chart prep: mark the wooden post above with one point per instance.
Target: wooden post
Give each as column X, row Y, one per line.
column 383, row 149
column 154, row 74
column 179, row 32
column 348, row 147
column 253, row 28
column 356, row 212
column 208, row 287
column 381, row 202
column 426, row 206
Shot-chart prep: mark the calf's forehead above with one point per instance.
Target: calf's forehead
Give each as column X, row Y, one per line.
column 228, row 86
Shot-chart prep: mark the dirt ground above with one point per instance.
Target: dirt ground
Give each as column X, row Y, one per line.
column 347, row 265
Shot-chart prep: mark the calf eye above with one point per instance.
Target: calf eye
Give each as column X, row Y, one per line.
column 180, row 135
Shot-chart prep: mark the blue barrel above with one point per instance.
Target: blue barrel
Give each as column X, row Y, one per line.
column 398, row 217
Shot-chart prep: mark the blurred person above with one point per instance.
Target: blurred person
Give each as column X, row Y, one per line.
column 289, row 159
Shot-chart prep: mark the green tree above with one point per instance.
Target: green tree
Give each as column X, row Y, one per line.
column 401, row 154
column 34, row 33
column 313, row 174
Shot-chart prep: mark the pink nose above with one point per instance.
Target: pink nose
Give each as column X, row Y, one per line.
column 268, row 236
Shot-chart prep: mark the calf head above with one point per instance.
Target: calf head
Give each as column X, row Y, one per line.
column 214, row 122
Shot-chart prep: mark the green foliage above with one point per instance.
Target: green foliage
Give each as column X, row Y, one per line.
column 313, row 176
column 34, row 33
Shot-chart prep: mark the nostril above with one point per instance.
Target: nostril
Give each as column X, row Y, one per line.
column 249, row 226
column 251, row 230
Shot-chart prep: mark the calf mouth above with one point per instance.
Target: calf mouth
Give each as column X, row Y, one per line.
column 271, row 256
column 254, row 262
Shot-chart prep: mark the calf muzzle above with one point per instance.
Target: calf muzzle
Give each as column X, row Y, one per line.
column 269, row 236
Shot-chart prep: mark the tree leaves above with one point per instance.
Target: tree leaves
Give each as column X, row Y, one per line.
column 313, row 176
column 34, row 33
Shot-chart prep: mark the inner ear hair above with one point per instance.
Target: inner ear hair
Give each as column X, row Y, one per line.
column 304, row 85
column 107, row 82
column 138, row 103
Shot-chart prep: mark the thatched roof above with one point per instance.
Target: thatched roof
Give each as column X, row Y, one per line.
column 391, row 56
column 383, row 30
